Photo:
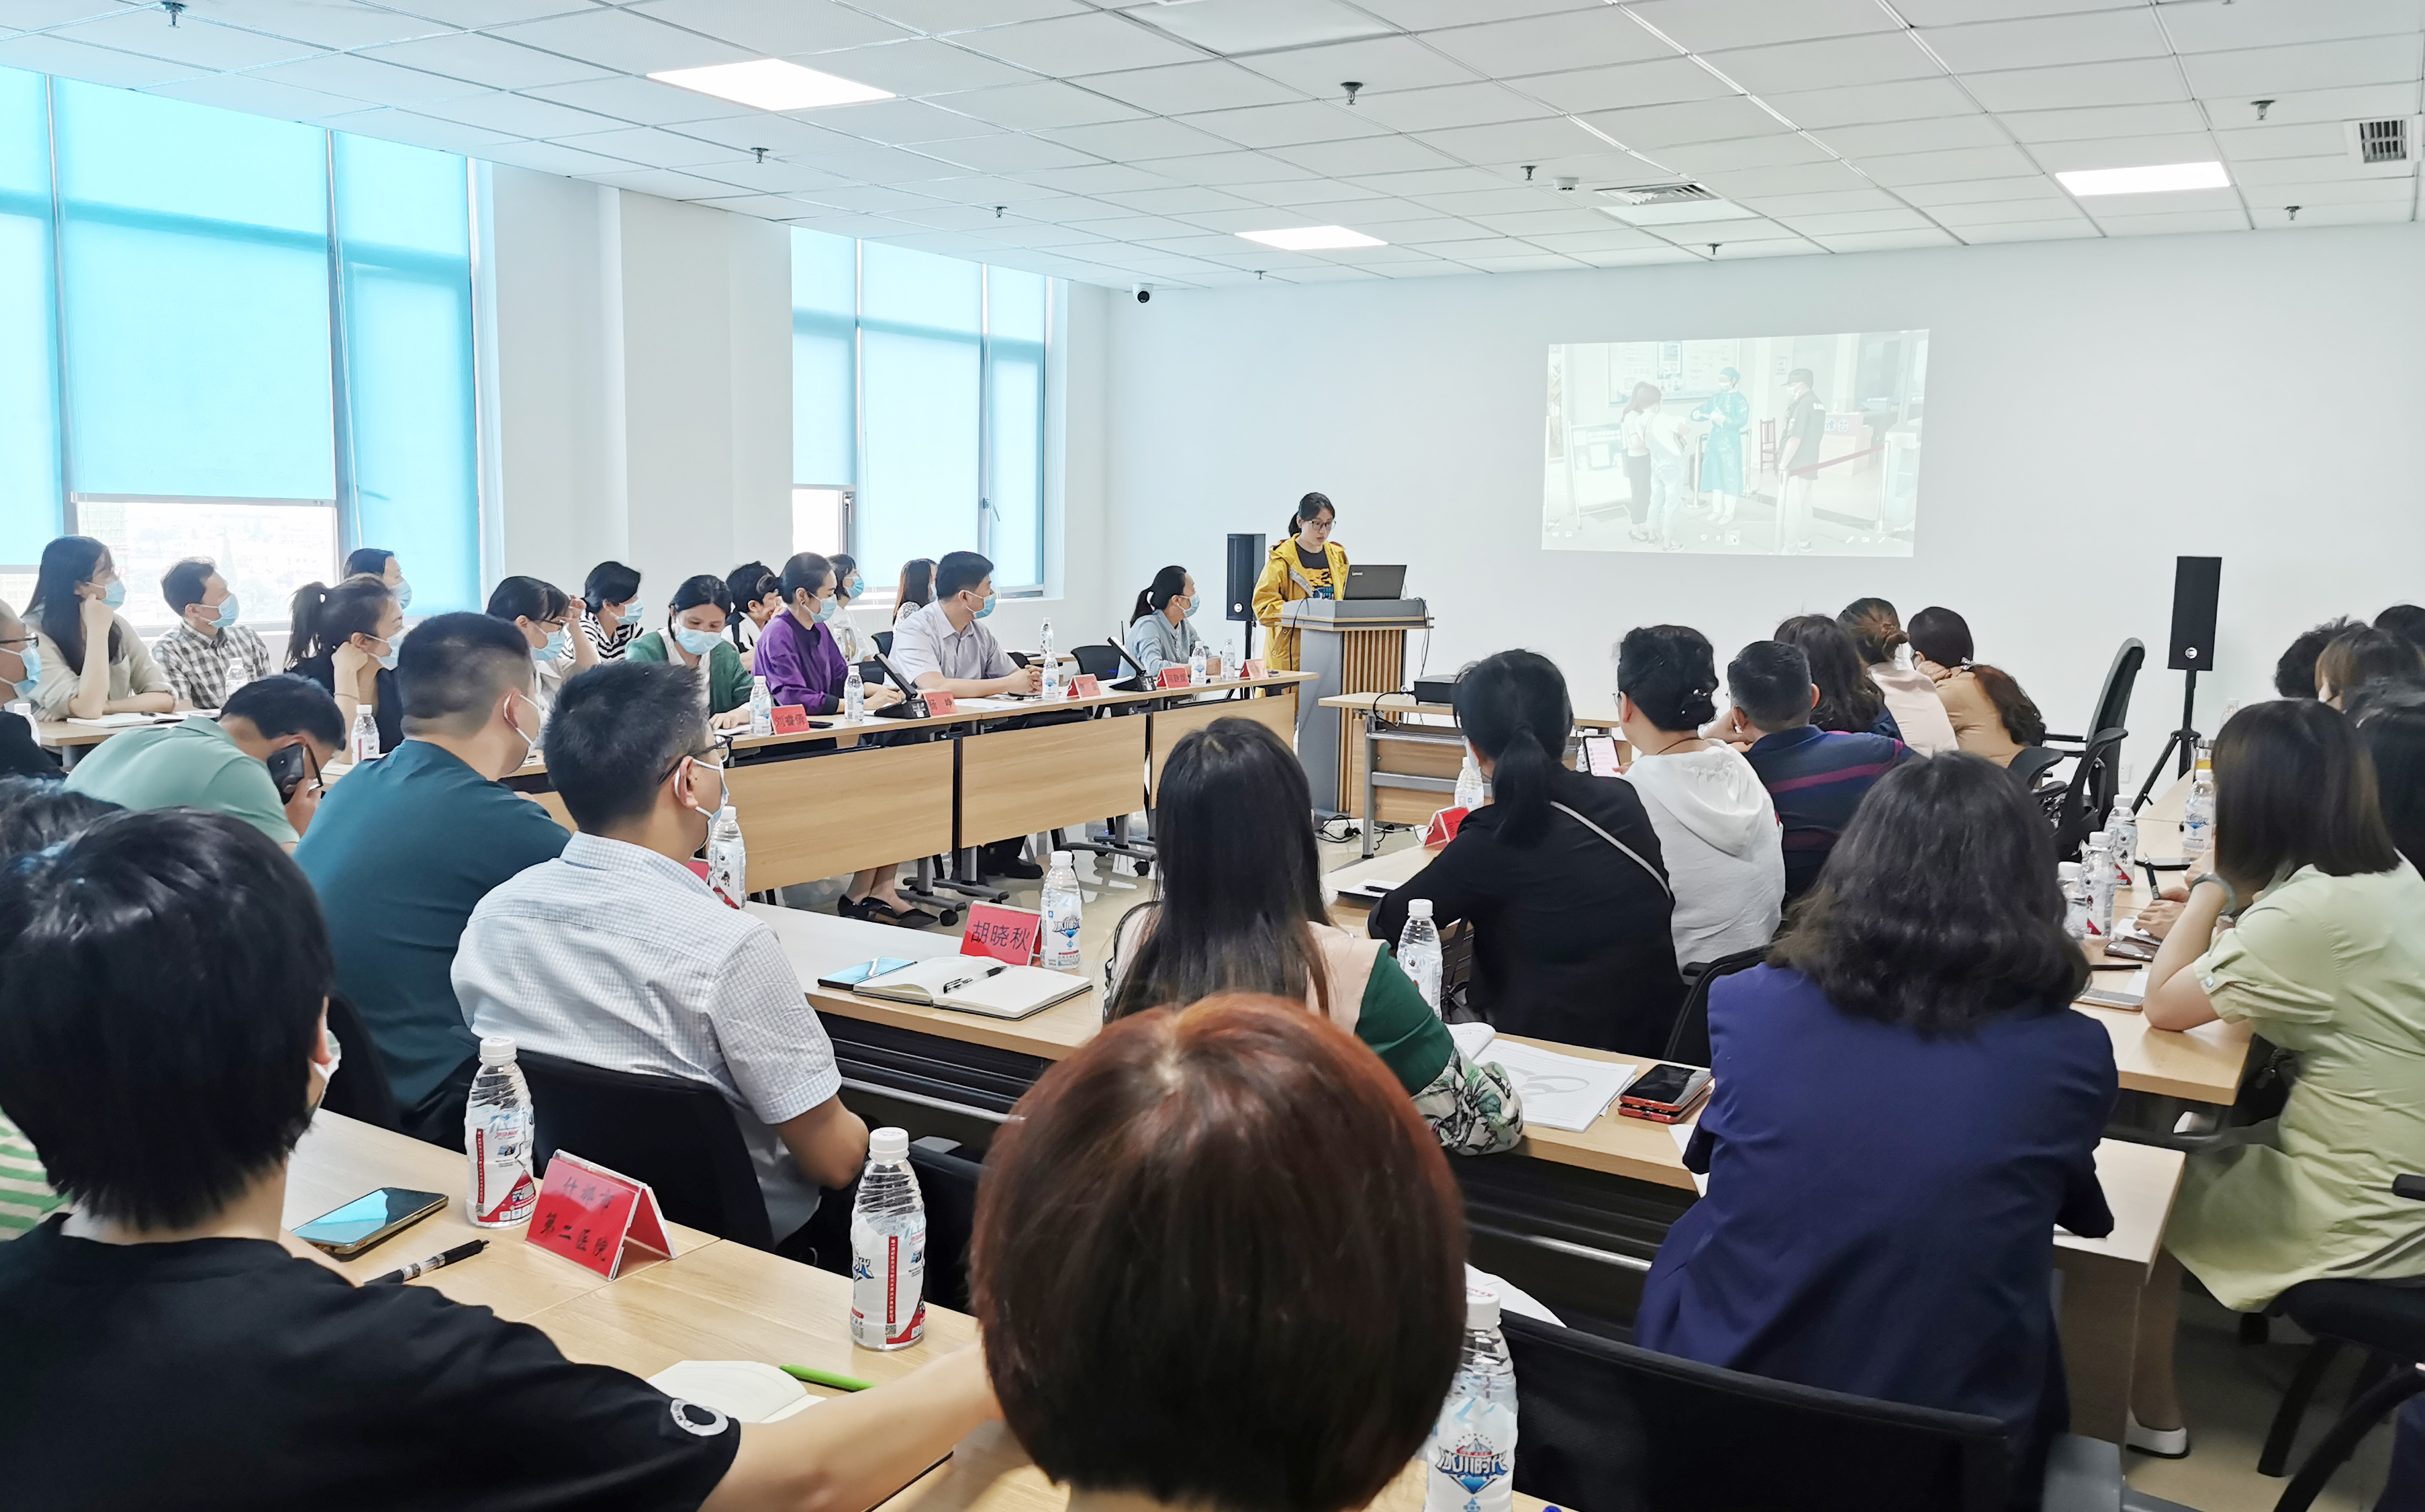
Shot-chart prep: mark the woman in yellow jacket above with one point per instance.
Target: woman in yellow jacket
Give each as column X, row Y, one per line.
column 1307, row 564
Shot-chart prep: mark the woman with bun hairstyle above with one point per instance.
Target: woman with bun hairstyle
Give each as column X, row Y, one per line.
column 1159, row 633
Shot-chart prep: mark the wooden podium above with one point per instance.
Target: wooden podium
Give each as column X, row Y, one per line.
column 1350, row 646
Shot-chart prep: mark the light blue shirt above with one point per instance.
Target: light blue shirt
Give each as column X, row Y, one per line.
column 1157, row 643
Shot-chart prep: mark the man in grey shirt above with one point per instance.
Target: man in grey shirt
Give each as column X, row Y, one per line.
column 943, row 648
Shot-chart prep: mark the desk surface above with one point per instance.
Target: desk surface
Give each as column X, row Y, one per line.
column 1596, row 718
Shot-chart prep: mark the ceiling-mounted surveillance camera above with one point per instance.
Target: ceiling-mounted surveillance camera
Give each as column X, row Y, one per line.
column 1143, row 295
column 1566, row 186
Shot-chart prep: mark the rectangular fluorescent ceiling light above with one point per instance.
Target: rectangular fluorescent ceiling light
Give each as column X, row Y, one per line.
column 1312, row 238
column 771, row 84
column 2157, row 178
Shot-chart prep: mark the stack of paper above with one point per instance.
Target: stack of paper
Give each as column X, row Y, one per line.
column 1561, row 1091
column 2111, row 990
column 745, row 1390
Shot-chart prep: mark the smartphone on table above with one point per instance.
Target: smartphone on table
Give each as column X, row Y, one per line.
column 1666, row 1093
column 369, row 1219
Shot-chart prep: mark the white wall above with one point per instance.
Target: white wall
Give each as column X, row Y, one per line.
column 2095, row 408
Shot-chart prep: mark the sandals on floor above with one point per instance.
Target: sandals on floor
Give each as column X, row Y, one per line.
column 873, row 910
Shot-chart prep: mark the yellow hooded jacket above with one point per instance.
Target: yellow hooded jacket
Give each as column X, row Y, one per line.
column 1285, row 581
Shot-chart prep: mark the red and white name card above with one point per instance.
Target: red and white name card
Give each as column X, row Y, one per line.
column 590, row 1215
column 1443, row 827
column 938, row 702
column 1251, row 668
column 791, row 719
column 1172, row 677
column 1001, row 933
column 1085, row 686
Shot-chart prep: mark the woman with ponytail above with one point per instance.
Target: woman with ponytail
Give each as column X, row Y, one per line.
column 1559, row 876
column 345, row 638
column 1307, row 564
column 1159, row 633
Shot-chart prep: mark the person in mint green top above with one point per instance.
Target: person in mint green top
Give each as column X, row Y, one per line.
column 1241, row 911
column 224, row 765
column 694, row 637
column 2326, row 958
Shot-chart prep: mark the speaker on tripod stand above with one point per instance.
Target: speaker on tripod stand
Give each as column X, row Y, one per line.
column 2198, row 587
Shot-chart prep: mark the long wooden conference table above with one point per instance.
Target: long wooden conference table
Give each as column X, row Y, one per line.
column 713, row 1300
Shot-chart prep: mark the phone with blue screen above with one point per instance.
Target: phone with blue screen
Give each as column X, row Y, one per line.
column 850, row 976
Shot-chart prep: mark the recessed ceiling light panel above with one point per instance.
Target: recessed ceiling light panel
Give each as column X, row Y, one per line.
column 1312, row 238
column 2155, row 179
column 771, row 84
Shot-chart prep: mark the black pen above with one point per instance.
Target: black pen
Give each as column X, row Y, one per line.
column 990, row 971
column 423, row 1267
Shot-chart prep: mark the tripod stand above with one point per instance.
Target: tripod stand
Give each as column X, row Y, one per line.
column 2185, row 740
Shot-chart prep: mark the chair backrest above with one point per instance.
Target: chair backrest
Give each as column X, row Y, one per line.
column 1689, row 1041
column 360, row 1089
column 1611, row 1428
column 884, row 641
column 1096, row 659
column 678, row 1137
column 2032, row 764
column 2080, row 807
column 2113, row 702
column 947, row 1181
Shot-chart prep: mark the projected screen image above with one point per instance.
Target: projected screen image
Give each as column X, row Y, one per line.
column 1769, row 445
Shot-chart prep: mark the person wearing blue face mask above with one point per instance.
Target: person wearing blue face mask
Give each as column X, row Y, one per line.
column 694, row 637
column 208, row 655
column 380, row 563
column 1159, row 633
column 20, row 669
column 616, row 614
column 848, row 586
column 798, row 655
column 942, row 646
column 545, row 615
column 93, row 663
column 345, row 638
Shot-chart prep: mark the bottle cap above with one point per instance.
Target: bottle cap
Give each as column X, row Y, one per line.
column 1060, row 857
column 496, row 1050
column 1481, row 1308
column 1418, row 907
column 887, row 1143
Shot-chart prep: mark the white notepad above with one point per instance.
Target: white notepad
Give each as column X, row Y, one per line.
column 115, row 721
column 972, row 984
column 2114, row 989
column 745, row 1390
column 1561, row 1091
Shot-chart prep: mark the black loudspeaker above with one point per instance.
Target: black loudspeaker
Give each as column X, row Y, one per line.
column 1245, row 567
column 2197, row 582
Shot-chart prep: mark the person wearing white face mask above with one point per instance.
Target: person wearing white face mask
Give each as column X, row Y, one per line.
column 21, row 670
column 545, row 615
column 345, row 638
column 617, row 955
column 208, row 655
column 1160, row 634
column 93, row 663
column 406, row 846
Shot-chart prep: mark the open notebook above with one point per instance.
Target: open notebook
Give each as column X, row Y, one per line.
column 971, row 984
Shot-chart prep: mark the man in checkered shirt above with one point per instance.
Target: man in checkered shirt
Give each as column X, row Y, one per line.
column 208, row 655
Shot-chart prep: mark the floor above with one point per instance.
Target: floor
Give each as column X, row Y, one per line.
column 2229, row 1390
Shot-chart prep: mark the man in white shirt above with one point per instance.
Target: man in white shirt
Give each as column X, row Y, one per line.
column 943, row 646
column 617, row 955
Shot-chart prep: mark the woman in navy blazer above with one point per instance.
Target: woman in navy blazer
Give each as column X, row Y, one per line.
column 1905, row 1108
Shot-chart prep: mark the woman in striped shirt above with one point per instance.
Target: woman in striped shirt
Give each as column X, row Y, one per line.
column 613, row 593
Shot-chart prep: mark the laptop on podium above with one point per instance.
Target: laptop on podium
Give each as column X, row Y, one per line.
column 1375, row 582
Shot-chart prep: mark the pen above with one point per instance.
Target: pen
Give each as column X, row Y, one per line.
column 826, row 1377
column 423, row 1267
column 990, row 971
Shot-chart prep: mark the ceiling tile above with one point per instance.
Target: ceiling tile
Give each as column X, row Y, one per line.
column 255, row 95
column 1538, row 45
column 1366, row 154
column 481, row 59
column 476, row 13
column 2139, row 82
column 1482, row 201
column 918, row 66
column 2173, row 223
column 625, row 41
column 1378, row 63
column 2210, row 26
column 784, row 136
column 37, row 15
column 417, row 130
column 1845, row 223
column 763, row 206
column 2302, row 66
column 1905, row 100
column 195, row 49
column 1879, row 57
column 964, row 15
column 1977, row 191
column 1096, row 43
column 1229, row 168
column 2124, row 152
column 1781, row 247
column 1787, row 206
column 2103, row 121
column 1660, row 254
column 2250, row 144
column 1232, row 26
column 1886, row 241
column 1037, row 106
column 1520, row 141
column 1434, row 180
column 2276, row 172
column 2029, row 231
column 2005, row 212
column 842, row 223
column 1297, row 191
column 1134, row 229
column 1700, row 120
column 1916, row 136
column 1605, row 239
column 868, row 199
column 1802, row 178
column 322, row 22
column 1529, row 262
column 898, row 122
column 1138, row 141
column 874, row 164
column 773, row 28
column 355, row 77
column 1025, row 234
column 2320, row 104
column 552, row 157
column 1181, row 87
column 514, row 114
column 987, row 190
column 776, row 176
column 1101, row 179
column 2273, row 217
column 652, row 148
column 1784, row 150
column 1449, row 104
column 1700, row 234
column 1708, row 26
column 2326, row 190
column 1658, row 82
column 1956, row 13
column 1183, row 199
column 642, row 101
column 2046, row 42
column 1008, row 152
column 1307, row 120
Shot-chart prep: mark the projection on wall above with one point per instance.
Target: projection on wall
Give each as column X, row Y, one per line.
column 1756, row 445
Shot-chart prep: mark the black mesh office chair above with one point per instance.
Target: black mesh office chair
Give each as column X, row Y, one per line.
column 947, row 1183
column 1689, row 1041
column 2078, row 807
column 678, row 1137
column 884, row 641
column 2112, row 699
column 1102, row 660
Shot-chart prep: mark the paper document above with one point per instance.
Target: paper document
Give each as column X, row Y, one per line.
column 2115, row 990
column 115, row 721
column 1561, row 1091
column 987, row 706
column 1683, row 1133
column 745, row 1390
column 1471, row 1037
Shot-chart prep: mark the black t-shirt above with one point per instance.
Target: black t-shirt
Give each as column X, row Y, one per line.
column 19, row 755
column 1312, row 561
column 226, row 1374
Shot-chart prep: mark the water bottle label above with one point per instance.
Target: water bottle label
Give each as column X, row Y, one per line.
column 501, row 1189
column 1061, row 946
column 888, row 1274
column 1469, row 1464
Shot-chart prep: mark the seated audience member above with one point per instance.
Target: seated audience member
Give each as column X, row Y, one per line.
column 1849, row 701
column 2406, row 620
column 21, row 673
column 1159, row 633
column 1559, row 876
column 92, row 662
column 33, row 813
column 406, row 846
column 616, row 953
column 1241, row 911
column 2326, row 958
column 208, row 655
column 346, row 639
column 1717, row 828
column 2390, row 719
column 693, row 638
column 797, row 655
column 1816, row 778
column 1300, row 1327
column 1940, row 642
column 1901, row 1246
column 848, row 586
column 264, row 1380
column 544, row 616
column 757, row 597
column 917, row 587
column 226, row 764
column 2294, row 675
column 1991, row 715
column 379, row 562
column 613, row 618
column 2357, row 657
column 1910, row 694
column 943, row 646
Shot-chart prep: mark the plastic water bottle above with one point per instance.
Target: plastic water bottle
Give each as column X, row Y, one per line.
column 1469, row 1461
column 1471, row 792
column 497, row 1138
column 2197, row 814
column 1063, row 910
column 2100, row 870
column 728, row 859
column 362, row 744
column 2122, row 837
column 1419, row 951
column 854, row 696
column 2075, row 900
column 887, row 1249
column 762, row 707
column 1052, row 688
column 1199, row 668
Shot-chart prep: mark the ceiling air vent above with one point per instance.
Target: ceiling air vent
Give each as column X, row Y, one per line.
column 1660, row 194
column 2385, row 141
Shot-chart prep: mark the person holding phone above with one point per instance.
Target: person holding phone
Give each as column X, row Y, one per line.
column 259, row 760
column 1307, row 564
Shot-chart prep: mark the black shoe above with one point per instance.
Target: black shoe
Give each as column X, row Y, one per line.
column 1008, row 864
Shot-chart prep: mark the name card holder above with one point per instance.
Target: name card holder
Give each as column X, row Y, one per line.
column 1443, row 828
column 940, row 702
column 1252, row 668
column 593, row 1216
column 791, row 719
column 1172, row 677
column 1002, row 933
column 1085, row 686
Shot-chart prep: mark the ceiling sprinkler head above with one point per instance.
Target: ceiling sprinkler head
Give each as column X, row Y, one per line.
column 1528, row 172
column 174, row 7
column 2291, row 210
column 2262, row 107
column 761, row 151
column 1351, row 86
column 1713, row 249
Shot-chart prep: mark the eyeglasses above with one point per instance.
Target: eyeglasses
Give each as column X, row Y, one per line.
column 716, row 748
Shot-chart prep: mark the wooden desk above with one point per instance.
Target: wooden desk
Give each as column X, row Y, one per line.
column 1399, row 759
column 873, row 806
column 1020, row 781
column 1168, row 725
column 58, row 734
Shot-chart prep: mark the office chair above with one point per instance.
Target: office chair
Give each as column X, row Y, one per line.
column 360, row 1089
column 883, row 639
column 2032, row 764
column 2078, row 808
column 1689, row 1041
column 947, row 1183
column 679, row 1136
column 2114, row 698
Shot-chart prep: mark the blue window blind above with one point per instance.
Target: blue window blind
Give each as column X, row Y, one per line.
column 29, row 421
column 404, row 239
column 824, row 362
column 195, row 262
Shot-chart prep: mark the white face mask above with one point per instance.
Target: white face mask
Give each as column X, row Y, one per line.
column 530, row 744
column 722, row 792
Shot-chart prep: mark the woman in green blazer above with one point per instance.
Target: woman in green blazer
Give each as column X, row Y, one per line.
column 694, row 637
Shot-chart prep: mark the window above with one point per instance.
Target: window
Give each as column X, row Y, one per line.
column 917, row 406
column 254, row 345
